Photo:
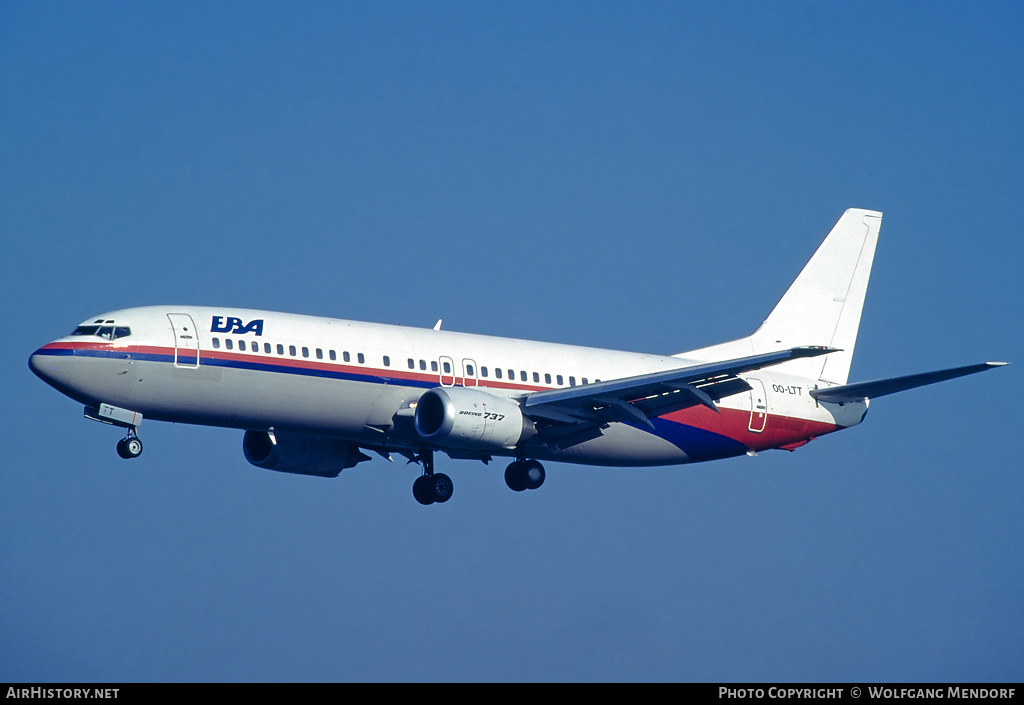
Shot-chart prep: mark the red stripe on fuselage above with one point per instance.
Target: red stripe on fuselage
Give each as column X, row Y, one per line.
column 735, row 424
column 731, row 423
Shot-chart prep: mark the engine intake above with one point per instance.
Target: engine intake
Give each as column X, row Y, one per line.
column 298, row 454
column 469, row 418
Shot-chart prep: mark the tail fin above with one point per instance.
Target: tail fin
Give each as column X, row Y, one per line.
column 822, row 306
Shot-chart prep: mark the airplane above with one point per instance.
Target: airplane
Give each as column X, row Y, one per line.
column 312, row 394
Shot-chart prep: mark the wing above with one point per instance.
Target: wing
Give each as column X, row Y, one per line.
column 882, row 387
column 570, row 416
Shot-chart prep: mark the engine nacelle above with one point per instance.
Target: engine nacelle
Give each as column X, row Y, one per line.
column 460, row 417
column 298, row 454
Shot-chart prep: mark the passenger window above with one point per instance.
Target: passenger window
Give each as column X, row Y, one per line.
column 319, row 354
column 511, row 374
column 266, row 348
column 387, row 361
column 241, row 345
column 216, row 342
column 360, row 358
column 228, row 344
column 305, row 352
column 572, row 381
column 346, row 357
column 423, row 364
column 547, row 378
column 483, row 371
column 584, row 380
column 558, row 380
column 497, row 372
column 522, row 375
column 447, row 368
column 412, row 364
column 291, row 350
column 334, row 355
column 433, row 365
column 536, row 377
column 469, row 370
column 280, row 349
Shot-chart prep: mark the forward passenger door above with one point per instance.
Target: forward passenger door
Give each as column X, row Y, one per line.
column 186, row 340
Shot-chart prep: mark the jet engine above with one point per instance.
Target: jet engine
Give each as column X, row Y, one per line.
column 298, row 454
column 460, row 417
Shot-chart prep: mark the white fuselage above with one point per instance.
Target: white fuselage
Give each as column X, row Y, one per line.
column 260, row 370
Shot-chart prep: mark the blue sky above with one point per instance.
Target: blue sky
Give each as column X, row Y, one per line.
column 639, row 176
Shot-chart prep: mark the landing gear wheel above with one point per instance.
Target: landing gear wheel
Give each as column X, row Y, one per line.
column 524, row 475
column 442, row 485
column 533, row 474
column 514, row 477
column 130, row 447
column 423, row 489
column 134, row 447
column 428, row 489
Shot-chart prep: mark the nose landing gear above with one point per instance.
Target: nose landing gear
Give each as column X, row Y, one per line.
column 130, row 446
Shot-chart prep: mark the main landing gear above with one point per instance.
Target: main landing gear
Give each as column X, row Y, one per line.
column 431, row 487
column 131, row 446
column 524, row 475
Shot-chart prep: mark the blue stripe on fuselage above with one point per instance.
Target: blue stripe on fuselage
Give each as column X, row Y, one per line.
column 207, row 359
column 699, row 444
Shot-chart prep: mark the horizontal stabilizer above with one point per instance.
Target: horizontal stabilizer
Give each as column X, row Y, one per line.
column 882, row 387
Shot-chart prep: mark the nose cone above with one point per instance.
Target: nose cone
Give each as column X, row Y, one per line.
column 54, row 366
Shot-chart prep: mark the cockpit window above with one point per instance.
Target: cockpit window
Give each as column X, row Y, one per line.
column 105, row 332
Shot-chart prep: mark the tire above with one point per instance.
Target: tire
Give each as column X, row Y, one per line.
column 423, row 490
column 133, row 446
column 515, row 478
column 533, row 474
column 442, row 486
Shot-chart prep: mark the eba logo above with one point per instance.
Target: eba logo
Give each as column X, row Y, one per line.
column 234, row 325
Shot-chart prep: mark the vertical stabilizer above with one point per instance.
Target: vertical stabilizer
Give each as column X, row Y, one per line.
column 823, row 305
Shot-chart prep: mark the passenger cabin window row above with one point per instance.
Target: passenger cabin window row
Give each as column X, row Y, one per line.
column 293, row 351
column 411, row 363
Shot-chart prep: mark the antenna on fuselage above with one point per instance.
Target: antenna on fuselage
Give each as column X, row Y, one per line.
column 437, row 326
